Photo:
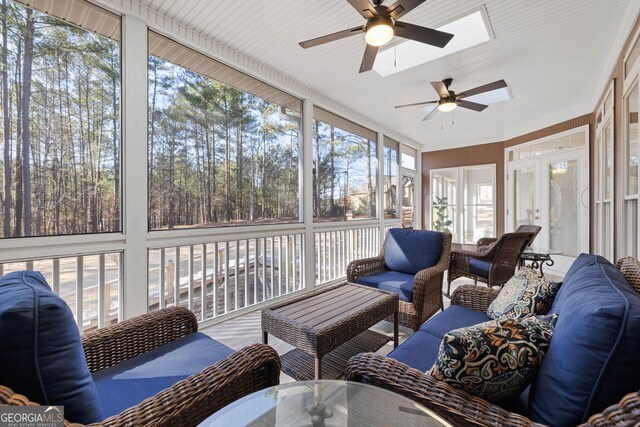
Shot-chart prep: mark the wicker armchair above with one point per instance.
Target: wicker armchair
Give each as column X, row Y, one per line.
column 493, row 264
column 427, row 285
column 457, row 406
column 187, row 402
column 528, row 228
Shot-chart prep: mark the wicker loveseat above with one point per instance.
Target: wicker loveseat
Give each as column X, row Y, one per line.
column 590, row 365
column 152, row 370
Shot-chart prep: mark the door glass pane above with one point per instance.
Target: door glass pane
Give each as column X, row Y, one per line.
column 608, row 146
column 564, row 198
column 631, row 120
column 390, row 175
column 408, row 193
column 478, row 204
column 606, row 223
column 524, row 196
column 631, row 228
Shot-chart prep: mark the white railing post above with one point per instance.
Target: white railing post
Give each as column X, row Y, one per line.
column 306, row 166
column 134, row 154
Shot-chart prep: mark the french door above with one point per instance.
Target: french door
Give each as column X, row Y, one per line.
column 552, row 191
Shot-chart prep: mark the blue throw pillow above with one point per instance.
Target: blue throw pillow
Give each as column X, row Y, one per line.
column 41, row 355
column 409, row 251
column 593, row 358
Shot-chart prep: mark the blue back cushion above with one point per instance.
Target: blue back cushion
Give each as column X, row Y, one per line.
column 593, row 358
column 41, row 355
column 409, row 251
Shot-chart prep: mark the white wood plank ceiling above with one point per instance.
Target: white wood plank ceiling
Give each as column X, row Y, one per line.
column 551, row 53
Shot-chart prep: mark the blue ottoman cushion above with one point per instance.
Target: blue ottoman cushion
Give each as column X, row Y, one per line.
column 409, row 251
column 392, row 281
column 593, row 358
column 149, row 373
column 419, row 351
column 481, row 268
column 41, row 354
column 454, row 317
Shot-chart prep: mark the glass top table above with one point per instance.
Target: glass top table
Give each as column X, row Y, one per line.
column 324, row 403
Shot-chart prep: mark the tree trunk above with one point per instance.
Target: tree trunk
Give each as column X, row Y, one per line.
column 26, row 100
column 116, row 155
column 333, row 168
column 6, row 224
column 17, row 231
column 318, row 197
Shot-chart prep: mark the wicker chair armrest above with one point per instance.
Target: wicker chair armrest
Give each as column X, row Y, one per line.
column 474, row 297
column 457, row 406
column 190, row 401
column 364, row 267
column 624, row 413
column 113, row 344
column 424, row 277
column 485, row 241
column 193, row 399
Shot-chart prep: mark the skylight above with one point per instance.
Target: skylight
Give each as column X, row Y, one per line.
column 468, row 31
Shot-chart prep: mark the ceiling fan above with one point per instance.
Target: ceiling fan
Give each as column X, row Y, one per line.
column 449, row 100
column 382, row 24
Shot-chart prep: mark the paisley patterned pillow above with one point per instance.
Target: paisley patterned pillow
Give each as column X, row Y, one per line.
column 495, row 360
column 525, row 294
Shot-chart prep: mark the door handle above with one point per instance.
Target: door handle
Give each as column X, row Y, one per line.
column 582, row 198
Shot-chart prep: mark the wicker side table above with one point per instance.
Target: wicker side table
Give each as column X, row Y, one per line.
column 319, row 323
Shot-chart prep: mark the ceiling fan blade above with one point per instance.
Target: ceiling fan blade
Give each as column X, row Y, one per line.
column 472, row 105
column 431, row 115
column 441, row 88
column 401, row 7
column 364, row 8
column 331, row 37
column 369, row 58
column 416, row 104
column 484, row 88
column 422, row 34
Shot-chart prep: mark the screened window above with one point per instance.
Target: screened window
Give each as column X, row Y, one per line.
column 408, row 158
column 390, row 166
column 344, row 168
column 223, row 146
column 60, row 80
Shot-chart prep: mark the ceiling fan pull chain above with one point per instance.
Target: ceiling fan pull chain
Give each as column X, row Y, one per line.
column 395, row 56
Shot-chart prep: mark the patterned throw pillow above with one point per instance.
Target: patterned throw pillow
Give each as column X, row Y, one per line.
column 495, row 360
column 525, row 294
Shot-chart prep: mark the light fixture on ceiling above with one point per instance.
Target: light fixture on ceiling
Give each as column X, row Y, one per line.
column 445, row 105
column 379, row 31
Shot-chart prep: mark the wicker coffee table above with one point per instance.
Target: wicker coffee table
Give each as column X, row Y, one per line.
column 332, row 323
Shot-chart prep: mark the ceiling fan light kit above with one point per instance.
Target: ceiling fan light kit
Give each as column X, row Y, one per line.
column 379, row 31
column 445, row 105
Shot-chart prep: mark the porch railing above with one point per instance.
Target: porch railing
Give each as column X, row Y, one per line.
column 214, row 279
column 90, row 284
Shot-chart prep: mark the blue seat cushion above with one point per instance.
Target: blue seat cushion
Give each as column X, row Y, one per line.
column 409, row 251
column 130, row 382
column 593, row 358
column 452, row 318
column 41, row 355
column 419, row 351
column 481, row 268
column 391, row 281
